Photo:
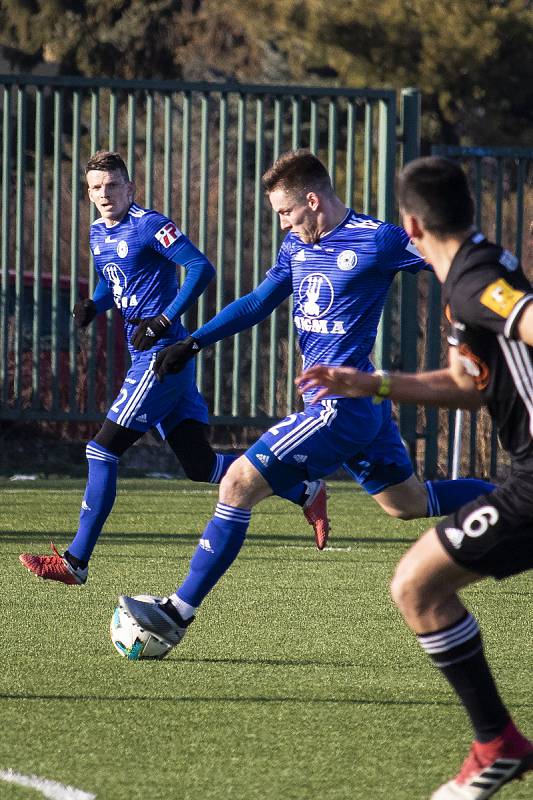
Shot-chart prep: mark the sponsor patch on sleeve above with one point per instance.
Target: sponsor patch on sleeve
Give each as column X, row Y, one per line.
column 500, row 297
column 168, row 234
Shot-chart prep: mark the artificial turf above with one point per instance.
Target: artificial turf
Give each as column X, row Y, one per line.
column 297, row 681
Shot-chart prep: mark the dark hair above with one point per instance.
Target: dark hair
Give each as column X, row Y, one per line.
column 297, row 172
column 107, row 161
column 436, row 190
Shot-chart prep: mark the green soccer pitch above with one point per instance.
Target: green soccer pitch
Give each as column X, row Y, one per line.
column 297, row 681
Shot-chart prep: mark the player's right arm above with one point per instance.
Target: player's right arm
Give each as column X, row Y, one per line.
column 243, row 313
column 452, row 387
column 86, row 310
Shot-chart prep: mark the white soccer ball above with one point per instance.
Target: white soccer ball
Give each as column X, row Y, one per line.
column 131, row 641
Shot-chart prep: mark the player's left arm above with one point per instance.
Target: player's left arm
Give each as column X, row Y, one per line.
column 177, row 248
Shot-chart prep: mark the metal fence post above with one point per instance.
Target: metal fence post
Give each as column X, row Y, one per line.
column 410, row 118
column 385, row 210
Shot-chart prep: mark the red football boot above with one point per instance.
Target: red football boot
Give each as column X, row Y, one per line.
column 316, row 513
column 489, row 766
column 54, row 568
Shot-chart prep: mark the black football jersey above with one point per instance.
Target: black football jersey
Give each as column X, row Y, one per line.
column 485, row 293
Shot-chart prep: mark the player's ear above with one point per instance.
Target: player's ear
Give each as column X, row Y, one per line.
column 411, row 225
column 131, row 190
column 313, row 200
column 417, row 229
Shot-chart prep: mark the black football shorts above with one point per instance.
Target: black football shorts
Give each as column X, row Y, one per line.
column 493, row 534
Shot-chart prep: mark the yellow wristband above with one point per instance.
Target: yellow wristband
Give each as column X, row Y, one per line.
column 384, row 387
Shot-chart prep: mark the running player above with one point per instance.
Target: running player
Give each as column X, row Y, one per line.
column 136, row 252
column 339, row 265
column 489, row 303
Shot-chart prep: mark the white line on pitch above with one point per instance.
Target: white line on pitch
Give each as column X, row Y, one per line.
column 48, row 788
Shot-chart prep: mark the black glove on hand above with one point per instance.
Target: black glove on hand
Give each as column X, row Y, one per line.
column 84, row 312
column 149, row 331
column 172, row 359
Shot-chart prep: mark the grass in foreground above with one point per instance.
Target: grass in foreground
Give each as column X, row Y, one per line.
column 297, row 681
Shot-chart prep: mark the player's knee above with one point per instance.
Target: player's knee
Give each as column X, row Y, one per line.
column 234, row 481
column 243, row 485
column 407, row 589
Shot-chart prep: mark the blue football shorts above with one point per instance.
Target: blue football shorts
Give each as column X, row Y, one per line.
column 143, row 402
column 352, row 433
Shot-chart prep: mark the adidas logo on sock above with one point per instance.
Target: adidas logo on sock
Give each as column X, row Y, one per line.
column 263, row 459
column 84, row 506
column 205, row 544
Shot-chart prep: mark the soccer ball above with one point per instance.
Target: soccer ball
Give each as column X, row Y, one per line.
column 131, row 641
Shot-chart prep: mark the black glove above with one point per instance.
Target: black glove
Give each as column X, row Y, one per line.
column 149, row 331
column 173, row 358
column 84, row 312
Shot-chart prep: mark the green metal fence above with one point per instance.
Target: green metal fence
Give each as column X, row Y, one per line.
column 196, row 152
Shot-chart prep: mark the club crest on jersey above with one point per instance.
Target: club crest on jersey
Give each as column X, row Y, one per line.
column 119, row 283
column 346, row 260
column 168, row 234
column 316, row 295
column 122, row 249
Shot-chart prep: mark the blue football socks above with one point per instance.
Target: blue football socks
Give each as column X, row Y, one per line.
column 97, row 502
column 447, row 496
column 218, row 547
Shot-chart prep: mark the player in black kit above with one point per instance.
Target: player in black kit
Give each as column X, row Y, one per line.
column 489, row 303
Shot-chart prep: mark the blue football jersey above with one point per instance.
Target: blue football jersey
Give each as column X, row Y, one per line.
column 340, row 285
column 137, row 259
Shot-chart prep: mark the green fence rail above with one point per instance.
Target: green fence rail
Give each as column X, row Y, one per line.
column 196, row 152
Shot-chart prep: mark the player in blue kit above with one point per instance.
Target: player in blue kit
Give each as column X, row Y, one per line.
column 339, row 265
column 136, row 252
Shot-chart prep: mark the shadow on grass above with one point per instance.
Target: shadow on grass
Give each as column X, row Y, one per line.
column 128, row 698
column 339, row 701
column 253, row 539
